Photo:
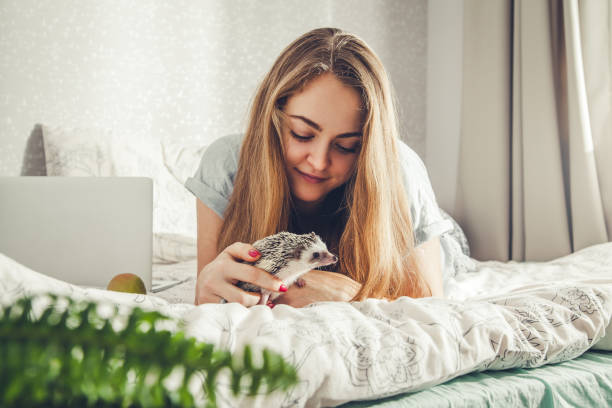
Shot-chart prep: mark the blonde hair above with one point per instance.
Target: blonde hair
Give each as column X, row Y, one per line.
column 377, row 241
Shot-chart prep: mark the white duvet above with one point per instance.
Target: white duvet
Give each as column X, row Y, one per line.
column 496, row 316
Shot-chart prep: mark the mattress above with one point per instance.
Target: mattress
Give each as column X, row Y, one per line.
column 583, row 382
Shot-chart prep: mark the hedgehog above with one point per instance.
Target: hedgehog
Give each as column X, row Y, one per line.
column 288, row 256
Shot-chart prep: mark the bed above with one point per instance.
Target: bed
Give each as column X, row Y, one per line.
column 507, row 334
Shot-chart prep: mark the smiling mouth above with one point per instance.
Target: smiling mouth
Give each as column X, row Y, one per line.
column 309, row 178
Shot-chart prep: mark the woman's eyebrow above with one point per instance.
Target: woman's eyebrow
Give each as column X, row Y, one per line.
column 318, row 127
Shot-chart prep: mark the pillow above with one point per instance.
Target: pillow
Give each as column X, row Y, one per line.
column 172, row 248
column 182, row 160
column 455, row 252
column 101, row 152
column 457, row 233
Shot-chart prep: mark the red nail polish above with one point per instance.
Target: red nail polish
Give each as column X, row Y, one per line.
column 282, row 288
column 254, row 253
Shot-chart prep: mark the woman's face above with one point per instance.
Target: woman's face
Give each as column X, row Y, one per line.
column 322, row 137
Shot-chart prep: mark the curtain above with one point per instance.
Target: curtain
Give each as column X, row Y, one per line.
column 535, row 172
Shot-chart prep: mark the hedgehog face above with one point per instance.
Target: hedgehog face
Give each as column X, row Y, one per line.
column 290, row 255
column 315, row 254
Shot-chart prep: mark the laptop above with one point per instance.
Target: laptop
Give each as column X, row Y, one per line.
column 82, row 230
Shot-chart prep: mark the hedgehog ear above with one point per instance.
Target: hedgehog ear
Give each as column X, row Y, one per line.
column 312, row 234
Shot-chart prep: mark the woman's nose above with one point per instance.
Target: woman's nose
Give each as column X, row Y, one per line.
column 318, row 157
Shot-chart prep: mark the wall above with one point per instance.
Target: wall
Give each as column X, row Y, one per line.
column 444, row 77
column 179, row 69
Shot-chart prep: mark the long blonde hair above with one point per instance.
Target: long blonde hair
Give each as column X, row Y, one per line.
column 377, row 241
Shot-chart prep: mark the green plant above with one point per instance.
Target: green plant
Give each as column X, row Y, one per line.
column 70, row 355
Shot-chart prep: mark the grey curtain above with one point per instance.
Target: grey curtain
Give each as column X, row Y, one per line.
column 535, row 172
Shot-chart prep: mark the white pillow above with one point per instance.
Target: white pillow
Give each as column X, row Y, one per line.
column 101, row 152
column 182, row 160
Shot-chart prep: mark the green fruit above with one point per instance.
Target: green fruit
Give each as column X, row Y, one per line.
column 127, row 282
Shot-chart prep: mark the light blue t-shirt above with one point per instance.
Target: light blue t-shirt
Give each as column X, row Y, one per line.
column 213, row 184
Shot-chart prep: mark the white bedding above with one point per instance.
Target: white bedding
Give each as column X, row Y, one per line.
column 496, row 316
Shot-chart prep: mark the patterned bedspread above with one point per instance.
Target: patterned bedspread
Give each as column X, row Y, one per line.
column 496, row 316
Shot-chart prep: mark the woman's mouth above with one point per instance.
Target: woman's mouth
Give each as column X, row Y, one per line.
column 309, row 178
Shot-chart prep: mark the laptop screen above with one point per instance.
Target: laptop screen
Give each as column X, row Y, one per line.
column 82, row 230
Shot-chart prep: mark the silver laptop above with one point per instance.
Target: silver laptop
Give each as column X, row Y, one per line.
column 82, row 230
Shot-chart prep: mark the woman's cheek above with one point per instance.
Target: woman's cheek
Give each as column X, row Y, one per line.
column 344, row 164
column 294, row 153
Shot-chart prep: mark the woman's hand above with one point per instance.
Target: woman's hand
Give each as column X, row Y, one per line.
column 217, row 280
column 320, row 286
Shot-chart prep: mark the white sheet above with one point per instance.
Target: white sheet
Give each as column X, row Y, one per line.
column 496, row 317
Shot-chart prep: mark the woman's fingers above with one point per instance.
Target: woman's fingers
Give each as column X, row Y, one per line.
column 233, row 294
column 245, row 252
column 249, row 273
column 217, row 280
column 207, row 298
column 217, row 287
column 257, row 277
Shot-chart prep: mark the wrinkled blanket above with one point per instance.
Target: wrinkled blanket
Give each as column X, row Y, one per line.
column 496, row 316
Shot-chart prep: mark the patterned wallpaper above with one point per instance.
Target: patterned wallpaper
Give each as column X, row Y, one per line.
column 183, row 69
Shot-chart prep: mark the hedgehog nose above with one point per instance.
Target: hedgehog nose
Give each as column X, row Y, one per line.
column 334, row 258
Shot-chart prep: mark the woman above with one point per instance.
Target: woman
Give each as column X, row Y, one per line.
column 321, row 153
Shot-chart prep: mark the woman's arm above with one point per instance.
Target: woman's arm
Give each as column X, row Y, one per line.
column 429, row 254
column 329, row 286
column 320, row 286
column 209, row 227
column 218, row 272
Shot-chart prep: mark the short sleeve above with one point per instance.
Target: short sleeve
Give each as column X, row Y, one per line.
column 213, row 181
column 427, row 221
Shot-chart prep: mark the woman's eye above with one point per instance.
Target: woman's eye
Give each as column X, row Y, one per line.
column 300, row 137
column 340, row 148
column 346, row 150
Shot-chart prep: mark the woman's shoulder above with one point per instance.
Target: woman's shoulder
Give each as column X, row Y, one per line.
column 412, row 165
column 213, row 181
column 426, row 217
column 408, row 155
column 226, row 144
column 233, row 140
column 223, row 153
